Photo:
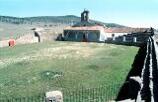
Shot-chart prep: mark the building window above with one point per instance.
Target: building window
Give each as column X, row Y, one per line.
column 113, row 35
column 71, row 36
column 80, row 36
column 92, row 36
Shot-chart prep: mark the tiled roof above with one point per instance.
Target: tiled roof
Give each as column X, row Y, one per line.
column 109, row 30
column 86, row 28
column 125, row 30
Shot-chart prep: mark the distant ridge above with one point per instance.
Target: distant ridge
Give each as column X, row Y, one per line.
column 68, row 19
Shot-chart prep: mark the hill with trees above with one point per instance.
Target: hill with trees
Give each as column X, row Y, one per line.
column 69, row 19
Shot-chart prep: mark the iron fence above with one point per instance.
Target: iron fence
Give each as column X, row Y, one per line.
column 98, row 94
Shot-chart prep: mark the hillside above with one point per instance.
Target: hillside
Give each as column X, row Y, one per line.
column 8, row 30
column 69, row 19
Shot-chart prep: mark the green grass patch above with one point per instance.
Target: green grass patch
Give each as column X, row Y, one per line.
column 27, row 70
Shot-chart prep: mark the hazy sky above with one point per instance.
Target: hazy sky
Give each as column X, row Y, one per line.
column 135, row 13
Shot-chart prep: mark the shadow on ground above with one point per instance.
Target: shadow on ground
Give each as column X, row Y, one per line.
column 130, row 88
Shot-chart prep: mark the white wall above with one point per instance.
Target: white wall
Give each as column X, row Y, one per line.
column 103, row 36
column 109, row 35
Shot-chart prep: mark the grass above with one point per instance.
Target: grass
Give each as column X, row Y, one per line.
column 27, row 70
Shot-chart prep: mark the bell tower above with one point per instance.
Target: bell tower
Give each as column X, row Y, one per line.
column 85, row 16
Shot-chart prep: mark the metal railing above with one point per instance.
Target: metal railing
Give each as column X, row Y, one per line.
column 98, row 94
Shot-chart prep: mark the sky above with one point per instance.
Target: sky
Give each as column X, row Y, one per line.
column 133, row 13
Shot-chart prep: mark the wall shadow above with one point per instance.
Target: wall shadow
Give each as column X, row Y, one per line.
column 130, row 88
